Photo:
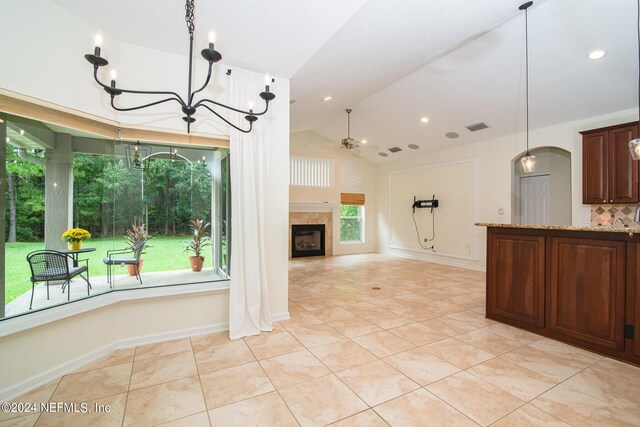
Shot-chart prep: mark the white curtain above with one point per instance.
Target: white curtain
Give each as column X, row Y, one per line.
column 249, row 312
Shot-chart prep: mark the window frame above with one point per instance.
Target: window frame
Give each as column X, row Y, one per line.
column 361, row 218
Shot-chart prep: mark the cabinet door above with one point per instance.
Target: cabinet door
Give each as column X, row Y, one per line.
column 636, row 284
column 594, row 168
column 587, row 291
column 623, row 170
column 515, row 278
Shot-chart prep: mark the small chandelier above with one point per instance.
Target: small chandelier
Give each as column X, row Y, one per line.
column 188, row 105
column 529, row 160
column 634, row 144
column 137, row 156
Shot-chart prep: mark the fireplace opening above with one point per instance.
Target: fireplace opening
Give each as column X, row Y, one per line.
column 307, row 240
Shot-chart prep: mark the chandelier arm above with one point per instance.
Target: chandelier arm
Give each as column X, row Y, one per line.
column 110, row 89
column 143, row 106
column 202, row 101
column 206, row 82
column 228, row 122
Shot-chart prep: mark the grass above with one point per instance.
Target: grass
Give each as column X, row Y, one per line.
column 165, row 253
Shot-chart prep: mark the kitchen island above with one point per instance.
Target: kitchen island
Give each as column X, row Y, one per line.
column 578, row 285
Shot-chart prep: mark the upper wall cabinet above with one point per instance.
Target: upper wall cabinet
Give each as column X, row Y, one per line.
column 609, row 174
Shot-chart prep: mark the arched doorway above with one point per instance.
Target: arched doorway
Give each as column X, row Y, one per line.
column 542, row 197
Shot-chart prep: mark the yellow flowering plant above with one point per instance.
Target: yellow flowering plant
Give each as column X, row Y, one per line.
column 76, row 235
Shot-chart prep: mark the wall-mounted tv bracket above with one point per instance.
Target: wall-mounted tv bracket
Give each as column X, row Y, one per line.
column 433, row 203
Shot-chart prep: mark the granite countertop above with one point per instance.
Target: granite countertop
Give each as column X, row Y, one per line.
column 607, row 229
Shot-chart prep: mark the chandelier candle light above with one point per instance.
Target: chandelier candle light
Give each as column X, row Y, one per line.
column 188, row 106
column 529, row 160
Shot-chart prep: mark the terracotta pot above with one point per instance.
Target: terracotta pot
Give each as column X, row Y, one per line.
column 74, row 246
column 132, row 270
column 196, row 262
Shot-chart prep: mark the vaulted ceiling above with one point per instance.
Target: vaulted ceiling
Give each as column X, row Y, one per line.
column 455, row 62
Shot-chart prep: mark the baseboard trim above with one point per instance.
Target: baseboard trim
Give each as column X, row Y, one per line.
column 436, row 260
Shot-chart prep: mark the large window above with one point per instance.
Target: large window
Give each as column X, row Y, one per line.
column 58, row 179
column 310, row 171
column 351, row 224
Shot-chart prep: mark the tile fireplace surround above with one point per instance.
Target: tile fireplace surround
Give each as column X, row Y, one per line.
column 306, row 215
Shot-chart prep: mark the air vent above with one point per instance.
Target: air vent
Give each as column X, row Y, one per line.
column 395, row 149
column 477, row 127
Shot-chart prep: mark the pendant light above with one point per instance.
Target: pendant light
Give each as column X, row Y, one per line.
column 529, row 160
column 634, row 145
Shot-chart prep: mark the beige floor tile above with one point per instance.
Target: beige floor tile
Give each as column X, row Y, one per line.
column 223, row 356
column 579, row 358
column 376, row 382
column 21, row 421
column 266, row 410
column 449, row 326
column 354, row 327
column 548, row 364
column 316, row 335
column 94, row 417
column 474, row 397
column 293, row 368
column 273, row 344
column 198, row 420
column 512, row 378
column 117, row 357
column 300, row 320
column 621, row 394
column 39, row 395
column 529, row 416
column 421, row 408
column 383, row 343
column 421, row 366
column 342, row 355
column 489, row 342
column 514, row 334
column 459, row 353
column 322, row 401
column 162, row 348
column 233, row 384
column 581, row 409
column 367, row 418
column 310, row 304
column 620, row 370
column 162, row 369
column 202, row 342
column 387, row 320
column 164, row 402
column 418, row 333
column 90, row 385
column 332, row 313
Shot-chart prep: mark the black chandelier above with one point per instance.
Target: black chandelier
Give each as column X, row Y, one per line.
column 188, row 106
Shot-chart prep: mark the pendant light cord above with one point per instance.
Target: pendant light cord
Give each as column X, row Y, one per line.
column 526, row 68
column 638, row 28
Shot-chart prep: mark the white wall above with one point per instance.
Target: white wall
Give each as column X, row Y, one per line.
column 493, row 178
column 352, row 174
column 43, row 53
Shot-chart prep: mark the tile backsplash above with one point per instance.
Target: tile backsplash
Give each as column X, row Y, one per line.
column 607, row 214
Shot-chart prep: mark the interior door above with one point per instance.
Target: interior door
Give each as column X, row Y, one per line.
column 536, row 201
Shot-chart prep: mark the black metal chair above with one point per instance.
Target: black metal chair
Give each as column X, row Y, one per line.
column 110, row 260
column 50, row 265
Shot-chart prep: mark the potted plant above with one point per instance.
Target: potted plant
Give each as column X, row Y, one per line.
column 134, row 235
column 198, row 242
column 74, row 237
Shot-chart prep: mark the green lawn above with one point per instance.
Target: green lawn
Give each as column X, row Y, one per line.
column 165, row 253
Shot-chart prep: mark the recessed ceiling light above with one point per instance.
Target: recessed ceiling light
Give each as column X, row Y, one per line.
column 424, row 119
column 451, row 135
column 364, row 141
column 327, row 98
column 597, row 54
column 413, row 146
column 383, row 154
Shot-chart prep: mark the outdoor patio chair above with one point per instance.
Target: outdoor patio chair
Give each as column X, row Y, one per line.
column 50, row 265
column 114, row 258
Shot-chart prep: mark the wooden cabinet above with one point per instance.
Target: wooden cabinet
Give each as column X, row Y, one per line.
column 516, row 284
column 581, row 287
column 609, row 174
column 587, row 291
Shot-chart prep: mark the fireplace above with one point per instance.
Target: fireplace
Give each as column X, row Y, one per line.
column 307, row 240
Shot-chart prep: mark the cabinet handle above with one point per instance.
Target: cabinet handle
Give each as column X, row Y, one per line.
column 611, row 201
column 604, row 201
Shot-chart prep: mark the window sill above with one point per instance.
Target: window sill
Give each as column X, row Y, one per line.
column 33, row 320
column 358, row 242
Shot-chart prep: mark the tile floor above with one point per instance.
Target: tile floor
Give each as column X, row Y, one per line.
column 416, row 352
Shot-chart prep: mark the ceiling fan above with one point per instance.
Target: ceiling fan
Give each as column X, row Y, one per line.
column 348, row 142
